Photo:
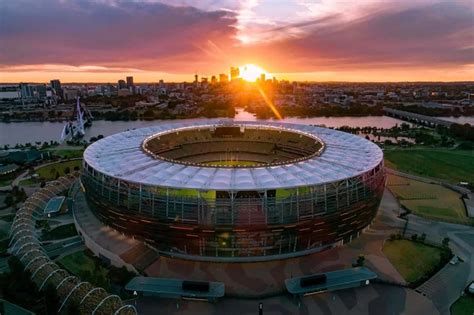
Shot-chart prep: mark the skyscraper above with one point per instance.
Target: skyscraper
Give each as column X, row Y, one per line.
column 223, row 78
column 26, row 91
column 262, row 77
column 56, row 86
column 213, row 79
column 234, row 73
column 121, row 84
column 129, row 82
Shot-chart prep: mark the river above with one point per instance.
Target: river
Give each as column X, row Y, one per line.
column 23, row 132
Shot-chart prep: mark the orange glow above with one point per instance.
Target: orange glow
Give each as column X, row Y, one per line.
column 251, row 73
column 270, row 104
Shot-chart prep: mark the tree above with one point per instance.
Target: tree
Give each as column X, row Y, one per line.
column 446, row 242
column 422, row 237
column 414, row 237
column 360, row 260
column 8, row 200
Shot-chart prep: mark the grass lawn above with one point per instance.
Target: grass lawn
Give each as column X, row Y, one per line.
column 48, row 172
column 429, row 200
column 451, row 165
column 5, row 181
column 29, row 182
column 60, row 232
column 412, row 260
column 85, row 267
column 463, row 306
column 68, row 153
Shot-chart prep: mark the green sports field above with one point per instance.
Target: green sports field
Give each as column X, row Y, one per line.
column 429, row 200
column 451, row 165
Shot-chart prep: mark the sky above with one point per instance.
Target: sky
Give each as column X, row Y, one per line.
column 304, row 40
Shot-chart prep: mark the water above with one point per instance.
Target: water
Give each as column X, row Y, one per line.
column 23, row 132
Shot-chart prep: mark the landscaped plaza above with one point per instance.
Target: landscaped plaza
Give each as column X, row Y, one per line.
column 418, row 244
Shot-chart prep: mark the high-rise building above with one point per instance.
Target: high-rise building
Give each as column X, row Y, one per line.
column 56, row 86
column 234, row 73
column 223, row 78
column 203, row 80
column 121, row 84
column 196, row 79
column 40, row 91
column 26, row 91
column 129, row 82
column 262, row 77
column 213, row 80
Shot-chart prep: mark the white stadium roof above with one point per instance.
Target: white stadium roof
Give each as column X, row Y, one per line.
column 121, row 156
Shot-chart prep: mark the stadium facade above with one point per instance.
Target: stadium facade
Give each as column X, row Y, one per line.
column 235, row 191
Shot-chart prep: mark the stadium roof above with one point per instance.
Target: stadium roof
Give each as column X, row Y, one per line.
column 121, row 156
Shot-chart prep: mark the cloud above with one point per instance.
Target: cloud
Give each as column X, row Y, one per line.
column 110, row 33
column 434, row 35
column 208, row 36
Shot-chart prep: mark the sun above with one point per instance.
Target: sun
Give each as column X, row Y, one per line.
column 250, row 72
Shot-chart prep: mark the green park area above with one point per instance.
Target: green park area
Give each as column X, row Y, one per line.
column 90, row 268
column 413, row 260
column 29, row 182
column 86, row 267
column 52, row 171
column 73, row 152
column 451, row 165
column 429, row 200
column 463, row 306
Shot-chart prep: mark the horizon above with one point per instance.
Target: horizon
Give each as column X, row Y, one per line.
column 377, row 41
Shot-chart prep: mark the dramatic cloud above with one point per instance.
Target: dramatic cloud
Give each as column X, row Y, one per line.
column 112, row 33
column 184, row 36
column 433, row 35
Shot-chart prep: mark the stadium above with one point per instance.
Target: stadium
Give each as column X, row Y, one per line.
column 235, row 191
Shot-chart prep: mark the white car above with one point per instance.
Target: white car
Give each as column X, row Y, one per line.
column 470, row 288
column 454, row 260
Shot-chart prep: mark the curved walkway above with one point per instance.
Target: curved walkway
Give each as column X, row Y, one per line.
column 25, row 245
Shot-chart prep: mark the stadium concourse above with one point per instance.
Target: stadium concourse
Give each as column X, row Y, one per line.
column 28, row 248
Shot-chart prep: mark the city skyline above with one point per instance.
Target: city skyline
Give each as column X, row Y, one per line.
column 375, row 41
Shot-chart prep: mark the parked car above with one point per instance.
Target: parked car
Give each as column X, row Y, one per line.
column 470, row 288
column 454, row 260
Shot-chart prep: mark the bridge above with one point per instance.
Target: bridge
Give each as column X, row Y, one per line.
column 416, row 118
